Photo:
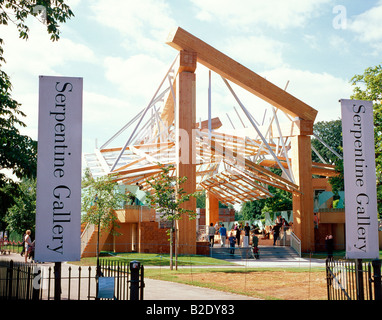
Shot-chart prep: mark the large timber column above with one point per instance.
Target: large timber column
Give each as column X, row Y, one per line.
column 212, row 209
column 185, row 118
column 302, row 171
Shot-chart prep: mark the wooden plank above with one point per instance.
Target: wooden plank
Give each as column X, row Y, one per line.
column 319, row 169
column 215, row 124
column 242, row 76
column 138, row 146
column 167, row 114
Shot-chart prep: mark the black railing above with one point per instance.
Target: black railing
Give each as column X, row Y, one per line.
column 353, row 280
column 26, row 281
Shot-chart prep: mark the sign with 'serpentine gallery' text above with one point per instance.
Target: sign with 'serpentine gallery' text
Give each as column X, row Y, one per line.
column 361, row 219
column 58, row 205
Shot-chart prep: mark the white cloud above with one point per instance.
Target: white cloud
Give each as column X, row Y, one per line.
column 137, row 76
column 339, row 44
column 321, row 91
column 144, row 24
column 278, row 14
column 38, row 55
column 27, row 59
column 368, row 26
column 257, row 51
column 103, row 116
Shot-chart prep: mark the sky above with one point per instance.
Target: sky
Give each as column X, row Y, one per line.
column 313, row 48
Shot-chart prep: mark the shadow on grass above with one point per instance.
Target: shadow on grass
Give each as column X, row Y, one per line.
column 152, row 259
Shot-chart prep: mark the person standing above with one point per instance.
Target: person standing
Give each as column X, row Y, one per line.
column 255, row 245
column 276, row 232
column 223, row 235
column 232, row 241
column 211, row 234
column 238, row 234
column 27, row 244
column 329, row 244
column 247, row 228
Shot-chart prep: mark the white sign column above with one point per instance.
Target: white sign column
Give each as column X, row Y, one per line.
column 360, row 180
column 58, row 206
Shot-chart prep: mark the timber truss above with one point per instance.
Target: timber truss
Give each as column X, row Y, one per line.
column 233, row 167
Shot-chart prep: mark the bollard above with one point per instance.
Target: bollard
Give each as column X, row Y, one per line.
column 57, row 281
column 377, row 279
column 359, row 279
column 135, row 266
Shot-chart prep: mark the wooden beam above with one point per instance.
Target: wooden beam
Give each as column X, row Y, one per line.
column 185, row 157
column 212, row 209
column 242, row 76
column 303, row 201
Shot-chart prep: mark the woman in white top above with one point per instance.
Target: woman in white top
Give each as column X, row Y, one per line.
column 27, row 243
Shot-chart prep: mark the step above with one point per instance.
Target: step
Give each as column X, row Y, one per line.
column 266, row 252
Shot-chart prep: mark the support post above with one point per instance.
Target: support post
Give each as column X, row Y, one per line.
column 185, row 117
column 212, row 209
column 303, row 205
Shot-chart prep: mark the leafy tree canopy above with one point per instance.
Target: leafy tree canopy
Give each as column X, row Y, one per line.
column 18, row 153
column 330, row 132
column 22, row 215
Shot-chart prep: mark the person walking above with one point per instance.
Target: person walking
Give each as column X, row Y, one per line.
column 211, row 234
column 223, row 235
column 27, row 244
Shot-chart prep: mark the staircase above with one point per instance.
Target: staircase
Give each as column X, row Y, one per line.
column 266, row 253
column 89, row 238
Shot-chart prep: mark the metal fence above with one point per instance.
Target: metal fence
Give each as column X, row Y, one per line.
column 353, row 280
column 118, row 280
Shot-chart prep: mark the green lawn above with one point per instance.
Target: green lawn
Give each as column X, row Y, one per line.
column 337, row 254
column 152, row 259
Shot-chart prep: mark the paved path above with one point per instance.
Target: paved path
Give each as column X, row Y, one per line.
column 165, row 290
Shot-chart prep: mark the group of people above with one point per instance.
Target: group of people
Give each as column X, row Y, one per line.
column 236, row 233
column 278, row 226
column 222, row 231
column 234, row 236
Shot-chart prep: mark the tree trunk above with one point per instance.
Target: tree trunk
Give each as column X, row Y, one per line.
column 171, row 244
column 176, row 244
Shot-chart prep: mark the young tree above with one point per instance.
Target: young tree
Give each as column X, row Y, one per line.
column 99, row 200
column 167, row 199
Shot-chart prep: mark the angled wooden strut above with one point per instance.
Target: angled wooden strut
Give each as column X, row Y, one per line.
column 242, row 76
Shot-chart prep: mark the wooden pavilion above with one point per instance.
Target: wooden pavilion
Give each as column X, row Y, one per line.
column 231, row 168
